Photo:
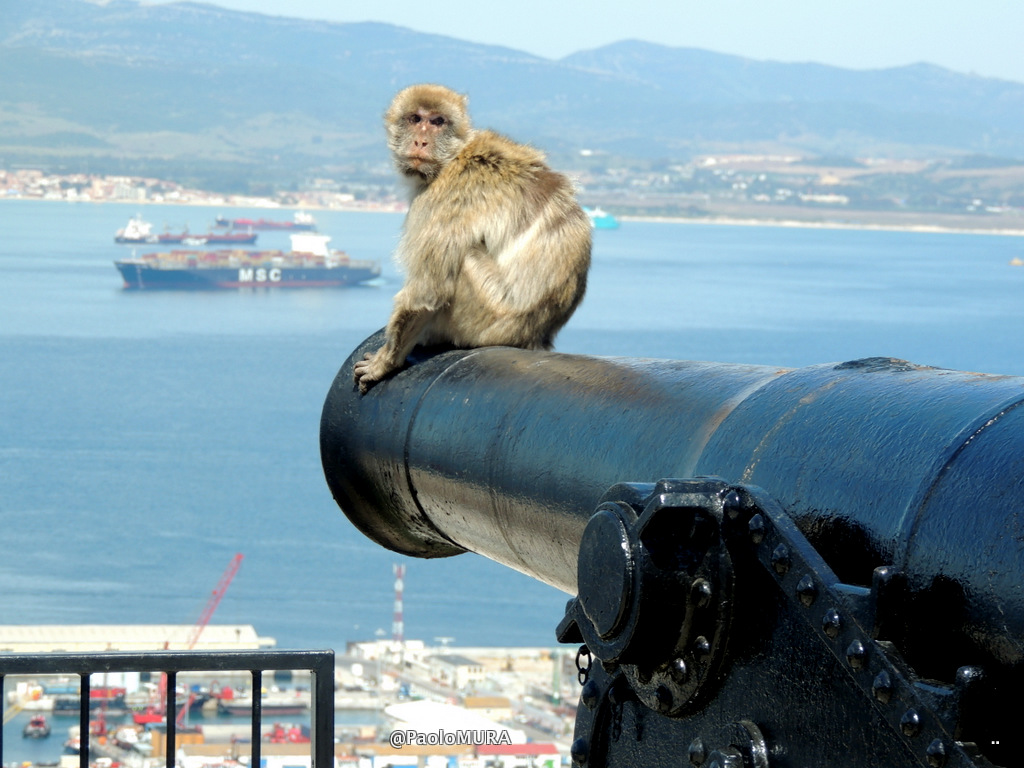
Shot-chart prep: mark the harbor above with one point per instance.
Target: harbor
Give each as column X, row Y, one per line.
column 391, row 700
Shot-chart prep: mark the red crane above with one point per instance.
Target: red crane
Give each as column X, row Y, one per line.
column 154, row 713
column 214, row 601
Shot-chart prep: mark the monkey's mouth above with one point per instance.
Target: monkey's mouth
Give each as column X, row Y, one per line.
column 418, row 163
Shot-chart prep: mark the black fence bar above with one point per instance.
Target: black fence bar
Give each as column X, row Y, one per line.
column 257, row 717
column 171, row 716
column 320, row 664
column 84, row 710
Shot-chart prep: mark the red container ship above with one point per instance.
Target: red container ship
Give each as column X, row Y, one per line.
column 303, row 222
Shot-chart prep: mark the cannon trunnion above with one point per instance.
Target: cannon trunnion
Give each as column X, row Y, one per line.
column 784, row 568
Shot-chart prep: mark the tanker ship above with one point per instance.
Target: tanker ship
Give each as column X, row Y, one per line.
column 309, row 264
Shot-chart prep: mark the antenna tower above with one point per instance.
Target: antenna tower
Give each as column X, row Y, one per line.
column 397, row 622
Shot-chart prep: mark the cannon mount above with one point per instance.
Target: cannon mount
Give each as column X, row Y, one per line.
column 650, row 663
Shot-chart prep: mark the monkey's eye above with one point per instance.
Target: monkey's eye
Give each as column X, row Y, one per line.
column 438, row 121
column 414, row 119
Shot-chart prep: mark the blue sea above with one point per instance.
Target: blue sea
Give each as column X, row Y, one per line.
column 145, row 438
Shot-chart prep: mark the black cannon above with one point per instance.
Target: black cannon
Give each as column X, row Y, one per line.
column 785, row 568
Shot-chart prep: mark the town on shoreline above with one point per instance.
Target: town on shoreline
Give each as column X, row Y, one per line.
column 828, row 212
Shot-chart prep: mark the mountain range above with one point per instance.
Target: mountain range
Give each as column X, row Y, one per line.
column 187, row 84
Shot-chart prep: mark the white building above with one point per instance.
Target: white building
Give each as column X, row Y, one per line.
column 97, row 638
column 457, row 671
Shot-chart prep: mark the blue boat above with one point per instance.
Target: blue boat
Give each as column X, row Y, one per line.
column 600, row 219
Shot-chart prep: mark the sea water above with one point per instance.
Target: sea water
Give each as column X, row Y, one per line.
column 145, row 438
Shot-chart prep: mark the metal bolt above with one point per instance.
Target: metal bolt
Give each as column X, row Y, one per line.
column 679, row 670
column 968, row 676
column 732, row 504
column 780, row 559
column 831, row 622
column 855, row 654
column 910, row 723
column 882, row 687
column 806, row 591
column 936, row 754
column 590, row 694
column 756, row 526
column 701, row 647
column 579, row 751
column 701, row 592
column 698, row 752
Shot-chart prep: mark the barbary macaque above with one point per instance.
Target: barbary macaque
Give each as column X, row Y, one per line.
column 495, row 247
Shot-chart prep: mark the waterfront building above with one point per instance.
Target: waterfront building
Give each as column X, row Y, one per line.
column 98, row 638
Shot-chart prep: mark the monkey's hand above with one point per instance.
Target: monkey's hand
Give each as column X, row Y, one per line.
column 371, row 369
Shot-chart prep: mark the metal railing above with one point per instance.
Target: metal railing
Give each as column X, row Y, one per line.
column 319, row 663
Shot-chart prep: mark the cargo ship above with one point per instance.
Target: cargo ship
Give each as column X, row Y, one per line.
column 138, row 231
column 302, row 222
column 309, row 264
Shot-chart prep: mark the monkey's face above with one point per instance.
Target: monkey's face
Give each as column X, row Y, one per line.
column 426, row 130
column 427, row 126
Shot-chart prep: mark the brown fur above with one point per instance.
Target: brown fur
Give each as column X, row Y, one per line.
column 495, row 247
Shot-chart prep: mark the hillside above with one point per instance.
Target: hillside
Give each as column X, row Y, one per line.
column 200, row 89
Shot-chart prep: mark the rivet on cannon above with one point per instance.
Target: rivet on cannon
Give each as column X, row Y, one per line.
column 756, row 526
column 806, row 591
column 936, row 754
column 579, row 751
column 697, row 752
column 882, row 687
column 910, row 723
column 831, row 623
column 855, row 654
column 780, row 559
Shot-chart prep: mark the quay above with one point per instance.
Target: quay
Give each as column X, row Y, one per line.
column 509, row 701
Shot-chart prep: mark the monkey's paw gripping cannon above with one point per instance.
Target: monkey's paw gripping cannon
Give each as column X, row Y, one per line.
column 832, row 575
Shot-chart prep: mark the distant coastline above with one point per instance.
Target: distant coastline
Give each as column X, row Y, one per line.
column 804, row 224
column 924, row 223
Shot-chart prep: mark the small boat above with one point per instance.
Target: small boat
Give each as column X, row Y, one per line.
column 137, row 231
column 287, row 734
column 601, row 219
column 148, row 717
column 133, row 738
column 36, row 728
column 110, row 701
column 268, row 706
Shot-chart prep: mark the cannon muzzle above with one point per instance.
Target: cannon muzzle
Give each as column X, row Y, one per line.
column 768, row 567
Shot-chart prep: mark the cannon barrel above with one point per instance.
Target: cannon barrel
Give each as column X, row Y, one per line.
column 895, row 491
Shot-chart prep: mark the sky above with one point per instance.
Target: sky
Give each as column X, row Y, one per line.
column 980, row 37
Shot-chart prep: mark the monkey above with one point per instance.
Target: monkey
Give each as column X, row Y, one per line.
column 495, row 247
